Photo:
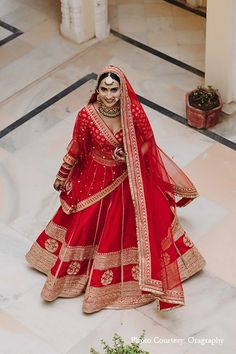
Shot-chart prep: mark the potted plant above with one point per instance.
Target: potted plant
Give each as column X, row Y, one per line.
column 203, row 107
column 120, row 347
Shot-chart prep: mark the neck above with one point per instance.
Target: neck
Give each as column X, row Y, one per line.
column 109, row 112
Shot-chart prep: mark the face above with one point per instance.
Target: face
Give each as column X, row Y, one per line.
column 109, row 93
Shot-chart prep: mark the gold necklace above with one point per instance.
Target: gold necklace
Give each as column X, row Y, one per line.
column 112, row 112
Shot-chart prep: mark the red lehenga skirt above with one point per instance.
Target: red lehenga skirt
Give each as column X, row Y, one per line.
column 94, row 251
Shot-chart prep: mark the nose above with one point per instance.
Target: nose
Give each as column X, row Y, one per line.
column 109, row 94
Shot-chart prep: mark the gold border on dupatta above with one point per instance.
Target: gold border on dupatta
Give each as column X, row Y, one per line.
column 146, row 282
column 185, row 192
column 83, row 204
column 138, row 196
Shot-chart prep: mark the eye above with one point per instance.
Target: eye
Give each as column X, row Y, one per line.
column 103, row 89
column 114, row 89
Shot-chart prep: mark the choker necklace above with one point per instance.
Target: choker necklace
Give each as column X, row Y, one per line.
column 112, row 112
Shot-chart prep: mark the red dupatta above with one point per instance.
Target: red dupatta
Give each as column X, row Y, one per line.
column 155, row 181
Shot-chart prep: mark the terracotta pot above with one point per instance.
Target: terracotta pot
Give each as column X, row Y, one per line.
column 202, row 119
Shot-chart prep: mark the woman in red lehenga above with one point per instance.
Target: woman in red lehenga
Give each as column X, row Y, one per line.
column 116, row 236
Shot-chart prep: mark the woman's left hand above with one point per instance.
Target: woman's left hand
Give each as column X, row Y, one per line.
column 119, row 154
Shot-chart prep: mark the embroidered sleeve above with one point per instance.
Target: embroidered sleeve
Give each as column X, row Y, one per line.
column 142, row 123
column 76, row 147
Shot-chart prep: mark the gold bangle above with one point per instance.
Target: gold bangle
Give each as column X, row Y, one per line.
column 69, row 160
column 61, row 178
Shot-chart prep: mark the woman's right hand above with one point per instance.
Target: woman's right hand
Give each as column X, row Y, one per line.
column 59, row 185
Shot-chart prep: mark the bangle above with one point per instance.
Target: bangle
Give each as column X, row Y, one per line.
column 61, row 178
column 69, row 159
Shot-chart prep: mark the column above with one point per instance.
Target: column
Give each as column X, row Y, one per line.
column 72, row 20
column 83, row 20
column 102, row 28
column 221, row 50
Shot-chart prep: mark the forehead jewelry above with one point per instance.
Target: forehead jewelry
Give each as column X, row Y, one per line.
column 108, row 80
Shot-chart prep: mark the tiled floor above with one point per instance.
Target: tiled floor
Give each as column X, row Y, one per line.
column 163, row 26
column 36, row 66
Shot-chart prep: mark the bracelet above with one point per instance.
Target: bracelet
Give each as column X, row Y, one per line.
column 68, row 159
column 62, row 179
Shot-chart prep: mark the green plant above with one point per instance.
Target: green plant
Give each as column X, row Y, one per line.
column 204, row 98
column 119, row 346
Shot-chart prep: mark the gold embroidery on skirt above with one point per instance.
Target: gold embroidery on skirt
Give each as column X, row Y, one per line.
column 73, row 268
column 55, row 231
column 79, row 253
column 67, row 286
column 51, row 245
column 187, row 241
column 107, row 277
column 110, row 297
column 40, row 258
column 135, row 272
column 104, row 261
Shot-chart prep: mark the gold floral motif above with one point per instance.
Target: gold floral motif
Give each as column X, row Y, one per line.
column 187, row 241
column 165, row 259
column 107, row 277
column 73, row 268
column 51, row 245
column 167, row 241
column 135, row 272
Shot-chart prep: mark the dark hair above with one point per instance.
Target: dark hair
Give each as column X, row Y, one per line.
column 104, row 75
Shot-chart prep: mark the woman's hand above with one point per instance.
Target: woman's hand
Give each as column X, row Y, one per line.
column 59, row 185
column 119, row 154
column 144, row 148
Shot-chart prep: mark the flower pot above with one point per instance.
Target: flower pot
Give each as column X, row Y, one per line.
column 200, row 119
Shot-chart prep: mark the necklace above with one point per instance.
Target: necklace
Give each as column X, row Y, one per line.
column 112, row 112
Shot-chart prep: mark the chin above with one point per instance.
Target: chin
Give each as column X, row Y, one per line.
column 109, row 105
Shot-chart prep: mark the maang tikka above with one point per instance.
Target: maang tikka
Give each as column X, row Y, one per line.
column 108, row 80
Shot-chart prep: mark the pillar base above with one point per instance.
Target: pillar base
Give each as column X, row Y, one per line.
column 73, row 36
column 229, row 108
